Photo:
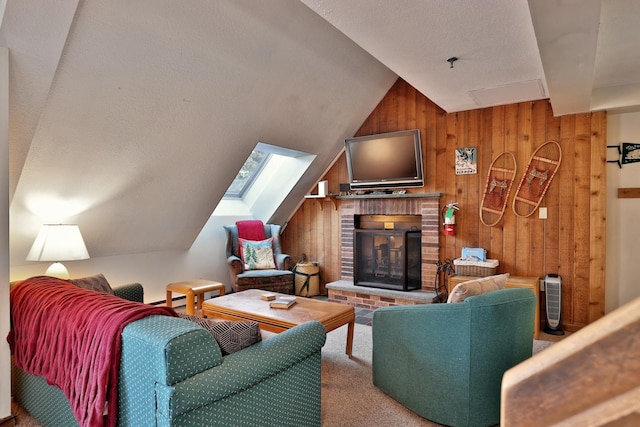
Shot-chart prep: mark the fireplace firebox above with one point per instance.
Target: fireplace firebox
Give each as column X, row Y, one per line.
column 387, row 252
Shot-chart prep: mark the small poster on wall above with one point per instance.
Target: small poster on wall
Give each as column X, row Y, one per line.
column 466, row 161
column 630, row 153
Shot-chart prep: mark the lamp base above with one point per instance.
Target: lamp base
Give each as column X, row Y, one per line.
column 57, row 270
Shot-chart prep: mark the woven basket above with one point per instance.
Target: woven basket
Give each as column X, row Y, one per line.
column 307, row 279
column 476, row 268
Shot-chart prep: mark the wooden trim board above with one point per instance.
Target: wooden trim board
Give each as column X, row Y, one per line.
column 628, row 193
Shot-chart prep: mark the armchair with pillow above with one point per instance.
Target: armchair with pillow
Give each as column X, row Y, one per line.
column 255, row 258
column 445, row 361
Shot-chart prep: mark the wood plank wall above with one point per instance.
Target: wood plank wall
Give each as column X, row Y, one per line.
column 571, row 242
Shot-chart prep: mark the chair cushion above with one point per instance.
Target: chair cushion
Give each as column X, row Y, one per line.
column 478, row 286
column 257, row 255
column 95, row 283
column 231, row 336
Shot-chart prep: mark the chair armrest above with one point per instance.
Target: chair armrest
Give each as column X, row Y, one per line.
column 235, row 264
column 284, row 262
column 246, row 368
column 131, row 292
column 444, row 327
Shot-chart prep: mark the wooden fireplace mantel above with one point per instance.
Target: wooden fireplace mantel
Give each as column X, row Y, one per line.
column 391, row 196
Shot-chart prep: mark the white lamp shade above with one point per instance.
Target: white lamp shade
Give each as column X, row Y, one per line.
column 58, row 242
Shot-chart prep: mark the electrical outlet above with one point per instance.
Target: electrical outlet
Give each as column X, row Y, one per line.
column 542, row 213
column 541, row 285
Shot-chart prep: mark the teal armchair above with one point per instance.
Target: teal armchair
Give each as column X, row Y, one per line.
column 446, row 361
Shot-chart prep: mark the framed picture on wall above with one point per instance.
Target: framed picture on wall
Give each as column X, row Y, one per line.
column 630, row 153
column 466, row 161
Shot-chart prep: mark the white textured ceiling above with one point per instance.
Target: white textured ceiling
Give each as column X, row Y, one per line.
column 493, row 41
column 133, row 117
column 582, row 54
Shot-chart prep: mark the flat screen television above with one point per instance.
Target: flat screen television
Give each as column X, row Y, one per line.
column 385, row 161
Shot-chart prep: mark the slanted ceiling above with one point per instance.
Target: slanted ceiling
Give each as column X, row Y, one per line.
column 132, row 117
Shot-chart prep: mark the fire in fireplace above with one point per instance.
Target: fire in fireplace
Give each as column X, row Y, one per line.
column 387, row 251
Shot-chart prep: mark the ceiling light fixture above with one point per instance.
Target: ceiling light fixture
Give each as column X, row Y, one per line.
column 451, row 61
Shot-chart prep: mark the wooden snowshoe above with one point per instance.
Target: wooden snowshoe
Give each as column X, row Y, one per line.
column 500, row 177
column 543, row 165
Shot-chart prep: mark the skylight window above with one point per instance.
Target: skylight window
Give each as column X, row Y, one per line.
column 264, row 181
column 248, row 173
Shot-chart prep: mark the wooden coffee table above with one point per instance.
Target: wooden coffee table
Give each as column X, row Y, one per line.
column 247, row 305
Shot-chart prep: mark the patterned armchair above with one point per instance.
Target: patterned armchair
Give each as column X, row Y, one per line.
column 278, row 279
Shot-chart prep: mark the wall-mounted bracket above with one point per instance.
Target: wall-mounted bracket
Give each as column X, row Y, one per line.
column 618, row 155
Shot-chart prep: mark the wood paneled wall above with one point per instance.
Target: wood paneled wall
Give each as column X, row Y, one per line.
column 571, row 242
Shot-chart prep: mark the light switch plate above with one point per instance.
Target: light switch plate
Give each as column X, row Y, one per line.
column 542, row 213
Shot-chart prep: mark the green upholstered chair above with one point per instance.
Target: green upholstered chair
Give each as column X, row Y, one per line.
column 446, row 361
column 279, row 279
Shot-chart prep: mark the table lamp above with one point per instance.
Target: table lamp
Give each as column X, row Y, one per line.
column 58, row 242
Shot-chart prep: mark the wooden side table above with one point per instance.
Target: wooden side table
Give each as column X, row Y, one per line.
column 532, row 283
column 193, row 289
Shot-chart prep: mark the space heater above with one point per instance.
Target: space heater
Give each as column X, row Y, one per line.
column 553, row 297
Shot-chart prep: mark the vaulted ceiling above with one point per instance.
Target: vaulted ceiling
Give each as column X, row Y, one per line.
column 131, row 118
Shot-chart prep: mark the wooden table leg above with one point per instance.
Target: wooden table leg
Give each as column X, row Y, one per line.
column 190, row 302
column 200, row 297
column 350, row 329
column 169, row 299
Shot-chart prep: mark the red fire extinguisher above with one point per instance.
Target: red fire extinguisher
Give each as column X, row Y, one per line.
column 449, row 218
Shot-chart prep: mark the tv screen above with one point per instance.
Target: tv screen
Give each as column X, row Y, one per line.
column 388, row 160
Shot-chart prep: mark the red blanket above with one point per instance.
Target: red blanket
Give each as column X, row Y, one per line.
column 251, row 229
column 71, row 337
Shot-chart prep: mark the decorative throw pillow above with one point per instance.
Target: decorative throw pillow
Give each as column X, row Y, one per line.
column 231, row 336
column 95, row 283
column 257, row 255
column 478, row 286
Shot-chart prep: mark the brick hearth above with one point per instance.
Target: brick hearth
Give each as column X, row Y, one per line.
column 345, row 292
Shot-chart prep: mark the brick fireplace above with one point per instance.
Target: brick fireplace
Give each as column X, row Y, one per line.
column 425, row 205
